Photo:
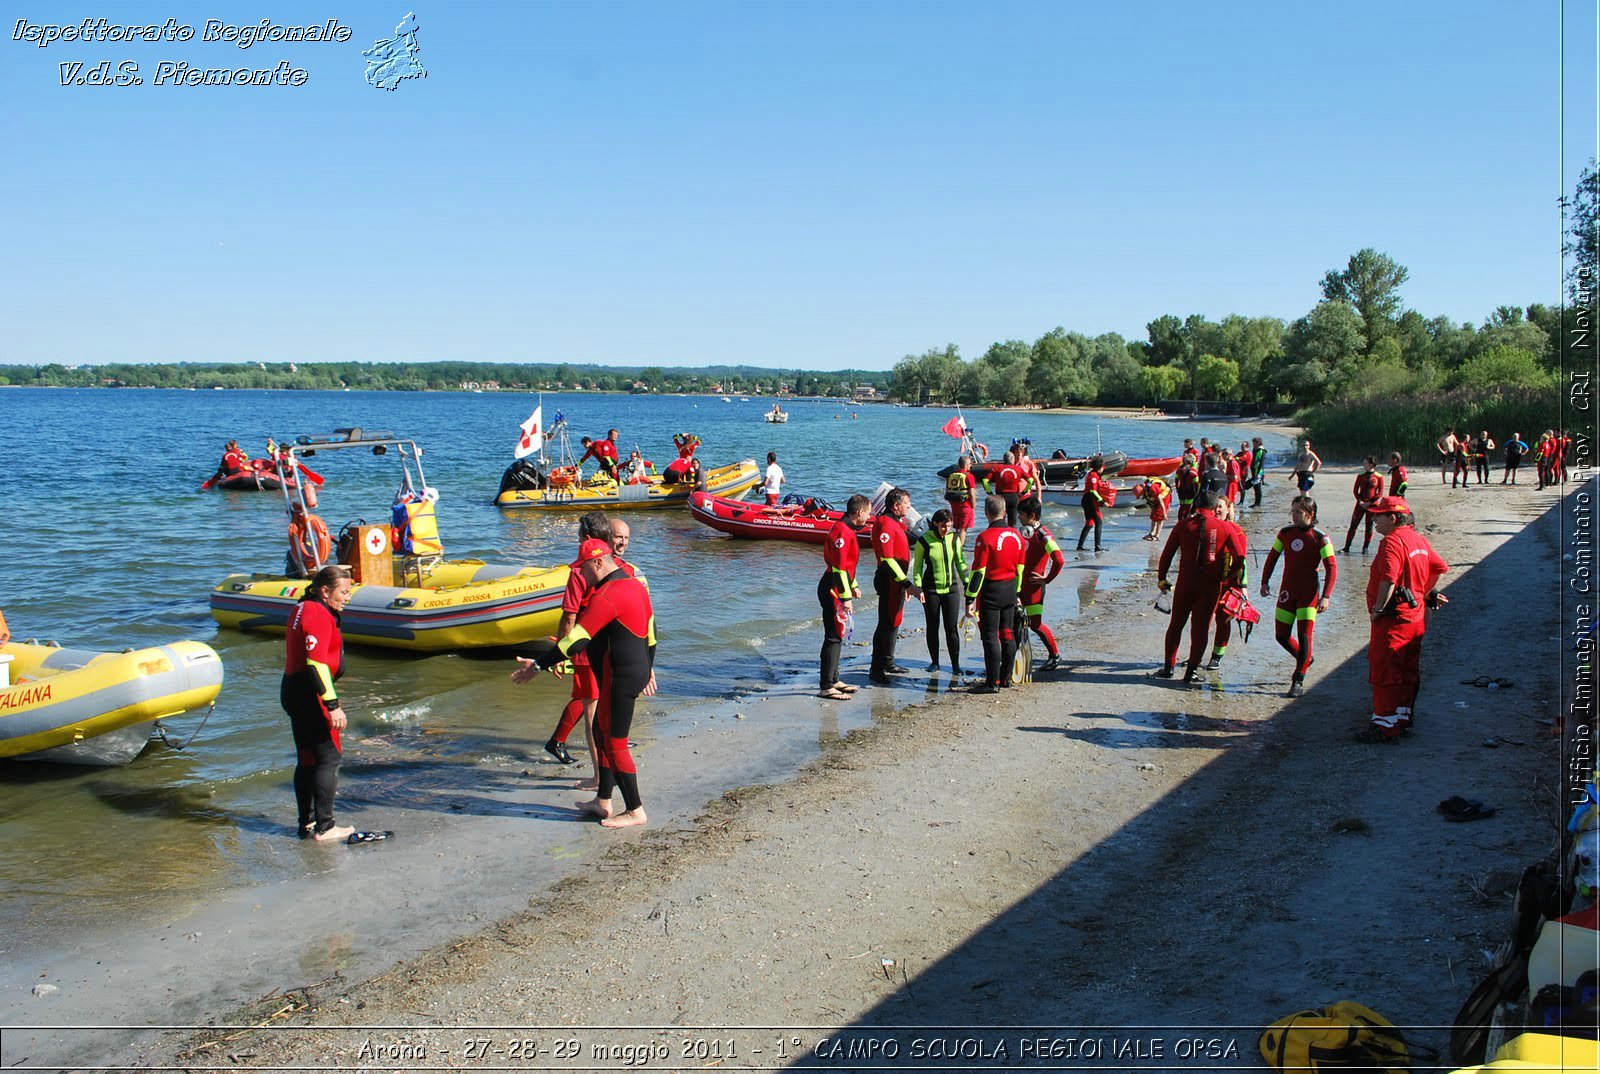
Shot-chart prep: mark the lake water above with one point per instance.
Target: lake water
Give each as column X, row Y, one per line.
column 113, row 546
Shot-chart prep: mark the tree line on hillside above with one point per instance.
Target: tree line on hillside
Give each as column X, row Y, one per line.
column 443, row 376
column 1359, row 342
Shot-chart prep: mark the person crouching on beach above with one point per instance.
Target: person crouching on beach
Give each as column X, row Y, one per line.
column 836, row 591
column 314, row 660
column 617, row 628
column 1405, row 573
column 1304, row 549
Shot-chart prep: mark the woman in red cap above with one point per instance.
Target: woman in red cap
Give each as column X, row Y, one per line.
column 1404, row 575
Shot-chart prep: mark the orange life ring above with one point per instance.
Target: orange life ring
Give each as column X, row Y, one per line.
column 309, row 540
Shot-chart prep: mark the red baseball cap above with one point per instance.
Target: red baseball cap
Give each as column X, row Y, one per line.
column 1389, row 505
column 592, row 548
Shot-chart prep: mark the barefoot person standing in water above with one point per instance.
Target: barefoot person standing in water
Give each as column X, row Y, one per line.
column 617, row 628
column 315, row 660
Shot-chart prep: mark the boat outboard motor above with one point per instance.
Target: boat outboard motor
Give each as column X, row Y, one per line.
column 523, row 475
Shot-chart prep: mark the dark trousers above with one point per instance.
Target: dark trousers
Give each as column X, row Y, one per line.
column 316, row 773
column 833, row 620
column 946, row 607
column 891, row 609
column 997, row 625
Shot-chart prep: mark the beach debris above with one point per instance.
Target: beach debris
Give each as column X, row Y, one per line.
column 45, row 989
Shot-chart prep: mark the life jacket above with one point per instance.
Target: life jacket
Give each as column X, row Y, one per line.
column 956, row 487
column 309, row 541
column 416, row 529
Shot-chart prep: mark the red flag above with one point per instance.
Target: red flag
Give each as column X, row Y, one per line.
column 954, row 427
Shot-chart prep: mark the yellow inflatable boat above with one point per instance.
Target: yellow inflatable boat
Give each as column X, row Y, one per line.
column 76, row 706
column 451, row 605
column 563, row 493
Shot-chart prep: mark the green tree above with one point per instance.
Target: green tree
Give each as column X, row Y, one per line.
column 1370, row 283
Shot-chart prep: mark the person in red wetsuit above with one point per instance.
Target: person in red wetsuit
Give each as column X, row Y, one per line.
column 837, row 589
column 892, row 548
column 1368, row 487
column 617, row 628
column 603, row 452
column 1238, row 571
column 1097, row 495
column 1397, row 474
column 1188, row 484
column 585, row 683
column 1158, row 495
column 997, row 564
column 1304, row 549
column 314, row 651
column 1199, row 543
column 1006, row 481
column 1405, row 575
column 1041, row 564
column 961, row 492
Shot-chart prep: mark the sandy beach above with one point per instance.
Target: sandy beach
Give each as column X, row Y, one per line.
column 1097, row 849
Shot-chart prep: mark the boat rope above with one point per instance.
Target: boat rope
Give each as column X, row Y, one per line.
column 165, row 741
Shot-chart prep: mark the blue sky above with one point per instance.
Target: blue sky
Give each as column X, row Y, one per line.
column 825, row 185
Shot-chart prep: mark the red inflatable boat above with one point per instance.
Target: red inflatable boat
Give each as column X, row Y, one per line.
column 789, row 522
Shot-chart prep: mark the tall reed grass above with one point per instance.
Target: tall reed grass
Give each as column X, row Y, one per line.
column 1350, row 430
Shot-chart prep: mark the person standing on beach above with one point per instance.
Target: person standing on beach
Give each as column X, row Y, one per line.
column 314, row 661
column 1515, row 449
column 1097, row 495
column 997, row 561
column 939, row 577
column 1042, row 563
column 1304, row 549
column 617, row 628
column 892, row 548
column 1006, row 482
column 1201, row 544
column 1481, row 446
column 1258, row 468
column 773, row 483
column 593, row 525
column 837, row 589
column 1230, row 569
column 1306, row 465
column 1404, row 577
column 1368, row 487
column 1188, row 486
column 1447, row 451
column 960, row 491
column 1397, row 474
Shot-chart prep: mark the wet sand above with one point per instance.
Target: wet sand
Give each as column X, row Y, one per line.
column 1097, row 849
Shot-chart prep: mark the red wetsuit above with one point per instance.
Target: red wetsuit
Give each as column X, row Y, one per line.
column 1394, row 652
column 1304, row 549
column 837, row 585
column 617, row 628
column 1188, row 489
column 1199, row 542
column 1368, row 487
column 997, row 562
column 893, row 550
column 1042, row 563
column 603, row 452
column 585, row 682
column 314, row 660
